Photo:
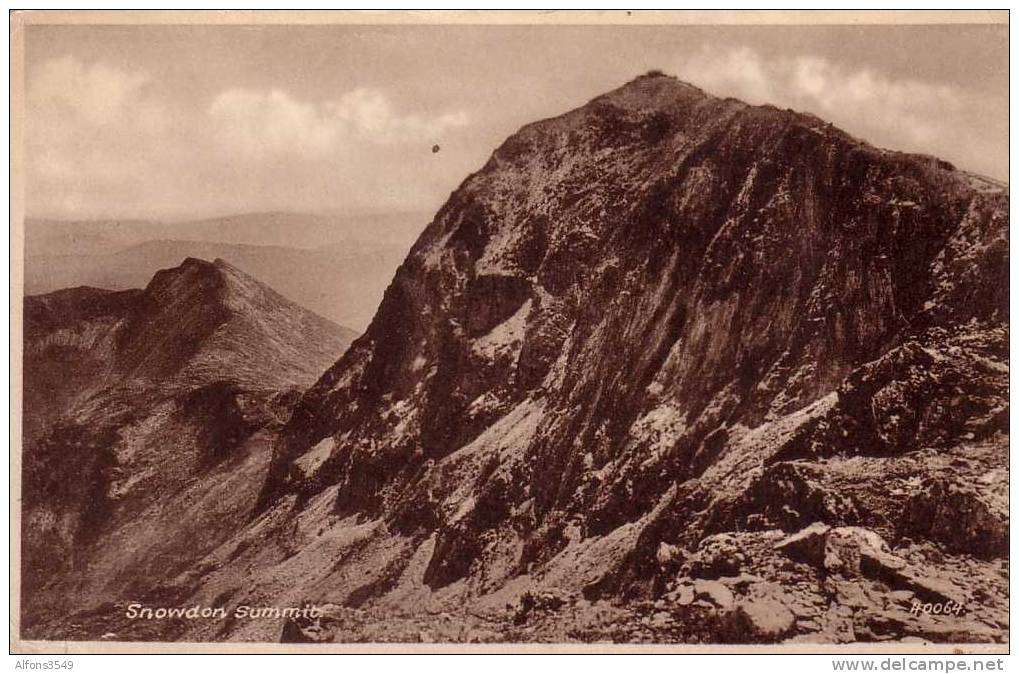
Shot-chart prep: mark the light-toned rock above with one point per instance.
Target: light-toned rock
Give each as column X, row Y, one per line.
column 669, row 555
column 806, row 545
column 714, row 592
column 716, row 556
column 683, row 595
column 763, row 619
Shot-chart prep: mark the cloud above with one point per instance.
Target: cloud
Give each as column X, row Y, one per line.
column 273, row 122
column 104, row 139
column 912, row 113
column 93, row 93
column 110, row 138
column 88, row 126
column 372, row 117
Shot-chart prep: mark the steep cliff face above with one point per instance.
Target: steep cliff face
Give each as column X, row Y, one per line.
column 146, row 412
column 646, row 271
column 646, row 344
column 620, row 299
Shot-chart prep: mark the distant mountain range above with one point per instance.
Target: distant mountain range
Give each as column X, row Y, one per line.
column 336, row 267
column 45, row 236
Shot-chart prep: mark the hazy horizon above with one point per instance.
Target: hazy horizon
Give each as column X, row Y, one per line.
column 179, row 123
column 227, row 215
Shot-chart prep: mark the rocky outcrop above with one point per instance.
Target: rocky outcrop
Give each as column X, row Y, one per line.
column 585, row 234
column 945, row 386
column 965, row 518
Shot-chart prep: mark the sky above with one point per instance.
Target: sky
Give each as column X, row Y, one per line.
column 181, row 122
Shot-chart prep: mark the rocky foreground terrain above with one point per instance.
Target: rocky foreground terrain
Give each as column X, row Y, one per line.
column 669, row 368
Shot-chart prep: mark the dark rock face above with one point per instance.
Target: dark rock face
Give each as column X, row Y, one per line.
column 789, row 495
column 959, row 516
column 67, row 475
column 67, row 348
column 644, row 344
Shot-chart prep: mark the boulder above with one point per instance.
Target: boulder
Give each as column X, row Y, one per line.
column 862, row 552
column 807, row 545
column 928, row 588
column 714, row 592
column 716, row 556
column 855, row 551
column 311, row 630
column 661, row 619
column 682, row 595
column 669, row 556
column 760, row 620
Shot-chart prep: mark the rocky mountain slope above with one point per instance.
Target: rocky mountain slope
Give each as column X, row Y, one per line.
column 668, row 368
column 144, row 425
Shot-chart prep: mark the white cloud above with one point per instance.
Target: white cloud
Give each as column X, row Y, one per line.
column 273, row 122
column 94, row 93
column 104, row 139
column 863, row 100
column 372, row 117
column 88, row 127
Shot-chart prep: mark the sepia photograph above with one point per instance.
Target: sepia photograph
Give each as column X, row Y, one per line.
column 478, row 331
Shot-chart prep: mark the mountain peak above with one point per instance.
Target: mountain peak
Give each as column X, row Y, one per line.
column 202, row 320
column 655, row 92
column 230, row 320
column 211, row 283
column 197, row 264
column 655, row 83
column 191, row 275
